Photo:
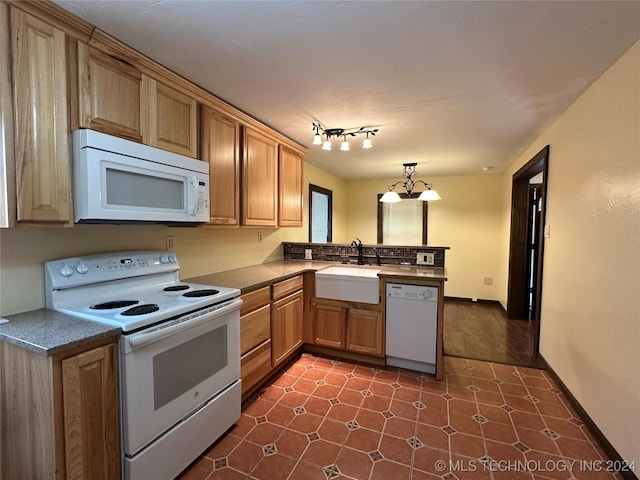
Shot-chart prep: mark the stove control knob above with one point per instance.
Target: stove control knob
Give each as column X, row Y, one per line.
column 82, row 268
column 164, row 259
column 172, row 259
column 66, row 271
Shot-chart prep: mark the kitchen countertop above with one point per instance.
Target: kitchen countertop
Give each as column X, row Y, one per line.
column 251, row 278
column 257, row 276
column 48, row 332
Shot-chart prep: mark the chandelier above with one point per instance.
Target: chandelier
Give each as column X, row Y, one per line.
column 330, row 133
column 409, row 184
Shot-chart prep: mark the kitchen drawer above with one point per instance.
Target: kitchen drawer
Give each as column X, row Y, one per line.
column 285, row 287
column 255, row 328
column 255, row 299
column 254, row 365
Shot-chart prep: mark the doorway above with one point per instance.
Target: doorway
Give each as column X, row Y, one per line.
column 533, row 244
column 526, row 252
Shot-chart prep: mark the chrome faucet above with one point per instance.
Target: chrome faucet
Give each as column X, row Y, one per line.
column 358, row 245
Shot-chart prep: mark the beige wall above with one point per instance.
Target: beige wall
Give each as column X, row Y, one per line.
column 200, row 250
column 590, row 327
column 467, row 219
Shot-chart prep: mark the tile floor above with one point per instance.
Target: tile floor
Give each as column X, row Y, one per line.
column 332, row 419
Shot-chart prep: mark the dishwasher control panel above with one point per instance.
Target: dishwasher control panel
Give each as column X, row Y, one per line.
column 412, row 292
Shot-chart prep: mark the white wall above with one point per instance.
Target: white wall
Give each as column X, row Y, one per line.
column 590, row 325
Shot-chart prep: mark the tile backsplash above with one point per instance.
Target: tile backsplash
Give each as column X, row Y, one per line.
column 389, row 254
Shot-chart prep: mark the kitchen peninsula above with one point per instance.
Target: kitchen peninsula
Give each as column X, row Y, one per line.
column 282, row 315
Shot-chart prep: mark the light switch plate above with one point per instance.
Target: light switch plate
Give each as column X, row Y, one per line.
column 425, row 258
column 170, row 243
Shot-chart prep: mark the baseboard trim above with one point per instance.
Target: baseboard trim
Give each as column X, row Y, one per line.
column 337, row 353
column 479, row 300
column 606, row 446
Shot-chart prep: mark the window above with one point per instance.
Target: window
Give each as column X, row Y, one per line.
column 320, row 212
column 403, row 223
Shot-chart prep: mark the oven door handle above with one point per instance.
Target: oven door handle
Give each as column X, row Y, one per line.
column 188, row 321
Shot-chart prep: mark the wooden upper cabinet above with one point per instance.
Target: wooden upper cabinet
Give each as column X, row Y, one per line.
column 109, row 94
column 117, row 99
column 221, row 148
column 42, row 151
column 170, row 118
column 259, row 180
column 290, row 187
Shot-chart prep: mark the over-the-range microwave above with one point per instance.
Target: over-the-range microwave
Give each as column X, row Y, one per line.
column 120, row 181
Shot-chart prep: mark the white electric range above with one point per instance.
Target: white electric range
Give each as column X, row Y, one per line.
column 179, row 352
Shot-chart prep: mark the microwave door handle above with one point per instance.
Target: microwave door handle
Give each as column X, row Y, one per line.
column 145, row 338
column 191, row 195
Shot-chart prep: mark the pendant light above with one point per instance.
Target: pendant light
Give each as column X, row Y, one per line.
column 409, row 184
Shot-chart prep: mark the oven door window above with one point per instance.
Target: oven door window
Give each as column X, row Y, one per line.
column 165, row 379
column 179, row 369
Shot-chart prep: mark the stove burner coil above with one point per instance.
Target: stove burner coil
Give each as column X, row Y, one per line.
column 114, row 304
column 175, row 288
column 141, row 309
column 201, row 293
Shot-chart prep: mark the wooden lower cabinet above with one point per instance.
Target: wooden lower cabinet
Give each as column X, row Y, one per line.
column 255, row 328
column 348, row 326
column 60, row 414
column 271, row 329
column 255, row 337
column 329, row 326
column 91, row 431
column 255, row 365
column 364, row 332
column 286, row 326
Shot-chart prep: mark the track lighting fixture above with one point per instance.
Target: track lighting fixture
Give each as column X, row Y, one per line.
column 329, row 133
column 409, row 184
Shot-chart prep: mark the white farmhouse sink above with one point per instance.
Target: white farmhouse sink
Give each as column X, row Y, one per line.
column 353, row 284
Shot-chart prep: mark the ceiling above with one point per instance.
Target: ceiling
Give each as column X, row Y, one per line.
column 452, row 85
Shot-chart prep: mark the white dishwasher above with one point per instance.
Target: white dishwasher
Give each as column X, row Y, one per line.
column 412, row 326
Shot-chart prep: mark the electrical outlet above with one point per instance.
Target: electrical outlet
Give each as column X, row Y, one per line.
column 308, row 254
column 425, row 258
column 170, row 243
column 488, row 281
column 474, row 299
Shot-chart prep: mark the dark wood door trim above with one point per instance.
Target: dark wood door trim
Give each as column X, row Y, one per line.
column 517, row 281
column 329, row 194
